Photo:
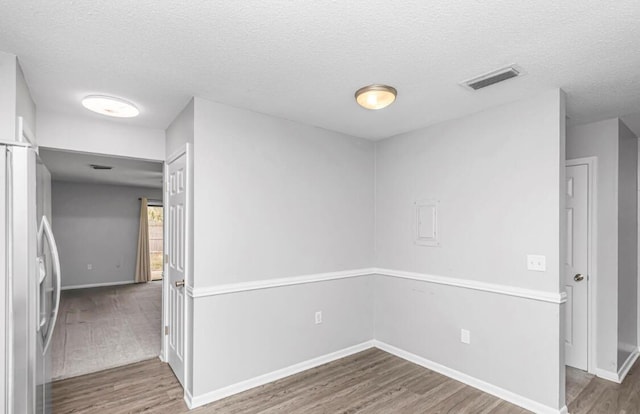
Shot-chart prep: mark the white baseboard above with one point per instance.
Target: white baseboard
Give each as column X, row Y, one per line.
column 92, row 285
column 619, row 376
column 499, row 392
column 199, row 400
column 607, row 375
column 624, row 369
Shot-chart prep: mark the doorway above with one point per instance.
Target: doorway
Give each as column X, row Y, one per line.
column 580, row 274
column 105, row 319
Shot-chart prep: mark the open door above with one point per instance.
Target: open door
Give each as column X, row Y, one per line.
column 577, row 266
column 176, row 250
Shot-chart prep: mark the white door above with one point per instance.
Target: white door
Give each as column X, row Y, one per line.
column 176, row 213
column 576, row 266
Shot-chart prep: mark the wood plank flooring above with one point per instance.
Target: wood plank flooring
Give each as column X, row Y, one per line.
column 371, row 381
column 600, row 396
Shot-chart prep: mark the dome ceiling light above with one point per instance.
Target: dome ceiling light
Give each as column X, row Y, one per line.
column 376, row 96
column 110, row 106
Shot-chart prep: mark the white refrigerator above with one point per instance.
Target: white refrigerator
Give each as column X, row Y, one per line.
column 31, row 273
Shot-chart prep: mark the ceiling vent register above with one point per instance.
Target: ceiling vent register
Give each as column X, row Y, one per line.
column 100, row 167
column 493, row 77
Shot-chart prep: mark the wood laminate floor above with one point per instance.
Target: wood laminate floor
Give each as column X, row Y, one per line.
column 372, row 381
column 106, row 327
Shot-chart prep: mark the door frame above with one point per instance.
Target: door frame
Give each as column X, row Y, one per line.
column 187, row 150
column 592, row 262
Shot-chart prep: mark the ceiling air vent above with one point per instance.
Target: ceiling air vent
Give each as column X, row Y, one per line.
column 493, row 77
column 100, row 167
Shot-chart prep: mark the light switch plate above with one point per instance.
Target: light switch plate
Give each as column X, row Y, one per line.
column 537, row 263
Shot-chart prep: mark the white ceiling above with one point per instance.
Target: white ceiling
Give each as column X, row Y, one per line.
column 304, row 60
column 75, row 167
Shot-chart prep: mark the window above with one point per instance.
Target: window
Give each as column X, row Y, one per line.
column 155, row 216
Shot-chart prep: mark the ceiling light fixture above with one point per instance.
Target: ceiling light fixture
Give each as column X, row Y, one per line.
column 376, row 96
column 110, row 106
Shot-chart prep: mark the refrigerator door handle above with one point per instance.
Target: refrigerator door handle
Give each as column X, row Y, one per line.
column 45, row 228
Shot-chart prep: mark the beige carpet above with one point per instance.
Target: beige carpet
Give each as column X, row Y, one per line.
column 101, row 328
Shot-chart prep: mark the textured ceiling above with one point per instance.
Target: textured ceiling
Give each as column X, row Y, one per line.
column 303, row 60
column 75, row 167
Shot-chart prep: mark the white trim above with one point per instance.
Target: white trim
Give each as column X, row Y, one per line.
column 544, row 296
column 271, row 283
column 177, row 154
column 93, row 285
column 499, row 392
column 540, row 295
column 624, row 369
column 592, row 265
column 517, row 399
column 199, row 400
column 608, row 375
column 165, row 270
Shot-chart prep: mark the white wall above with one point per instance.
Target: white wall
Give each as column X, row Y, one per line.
column 180, row 131
column 8, row 64
column 496, row 175
column 600, row 139
column 25, row 107
column 87, row 134
column 616, row 149
column 243, row 335
column 97, row 225
column 275, row 199
column 627, row 243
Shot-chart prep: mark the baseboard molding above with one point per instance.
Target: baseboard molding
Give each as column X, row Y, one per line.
column 188, row 399
column 607, row 375
column 499, row 392
column 519, row 400
column 539, row 295
column 624, row 369
column 619, row 376
column 199, row 400
column 92, row 285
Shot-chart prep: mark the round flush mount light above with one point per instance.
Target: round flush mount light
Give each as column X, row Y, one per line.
column 376, row 96
column 110, row 106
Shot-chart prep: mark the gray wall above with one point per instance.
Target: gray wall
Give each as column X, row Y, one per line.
column 627, row 244
column 98, row 225
column 274, row 199
column 600, row 139
column 180, row 131
column 616, row 148
column 496, row 175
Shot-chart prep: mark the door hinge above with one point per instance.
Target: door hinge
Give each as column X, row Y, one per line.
column 166, row 258
column 166, row 330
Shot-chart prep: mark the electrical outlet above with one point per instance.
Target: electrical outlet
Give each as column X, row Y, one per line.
column 537, row 263
column 89, row 266
column 318, row 317
column 465, row 336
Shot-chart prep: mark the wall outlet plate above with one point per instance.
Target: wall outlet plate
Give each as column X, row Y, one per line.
column 318, row 317
column 465, row 336
column 537, row 263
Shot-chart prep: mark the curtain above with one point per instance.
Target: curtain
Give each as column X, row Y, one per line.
column 143, row 262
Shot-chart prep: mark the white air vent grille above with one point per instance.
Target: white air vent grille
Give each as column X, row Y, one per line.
column 493, row 77
column 100, row 167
